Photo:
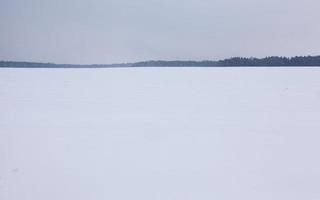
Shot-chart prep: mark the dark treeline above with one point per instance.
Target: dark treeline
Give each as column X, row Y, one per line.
column 161, row 63
column 14, row 64
column 236, row 61
column 272, row 61
column 239, row 61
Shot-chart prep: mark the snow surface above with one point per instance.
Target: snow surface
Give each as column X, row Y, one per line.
column 160, row 134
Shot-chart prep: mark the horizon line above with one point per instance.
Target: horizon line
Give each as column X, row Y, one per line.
column 156, row 60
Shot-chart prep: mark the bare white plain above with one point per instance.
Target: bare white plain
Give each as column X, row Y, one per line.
column 160, row 133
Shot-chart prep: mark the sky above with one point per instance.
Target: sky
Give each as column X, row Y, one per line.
column 113, row 31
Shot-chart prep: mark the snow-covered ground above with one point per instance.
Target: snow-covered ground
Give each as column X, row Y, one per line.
column 160, row 134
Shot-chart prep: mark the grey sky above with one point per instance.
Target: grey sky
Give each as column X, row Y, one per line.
column 108, row 31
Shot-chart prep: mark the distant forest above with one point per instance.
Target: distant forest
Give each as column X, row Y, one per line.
column 239, row 61
column 231, row 62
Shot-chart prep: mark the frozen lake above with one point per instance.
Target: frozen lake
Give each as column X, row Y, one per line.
column 160, row 134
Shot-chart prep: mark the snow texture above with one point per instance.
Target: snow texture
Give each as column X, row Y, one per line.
column 160, row 134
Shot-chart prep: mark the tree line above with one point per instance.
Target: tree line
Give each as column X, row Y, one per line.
column 230, row 62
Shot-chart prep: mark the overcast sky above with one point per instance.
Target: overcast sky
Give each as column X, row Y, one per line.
column 108, row 31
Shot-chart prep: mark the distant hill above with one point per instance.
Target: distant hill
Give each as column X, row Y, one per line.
column 13, row 64
column 230, row 62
